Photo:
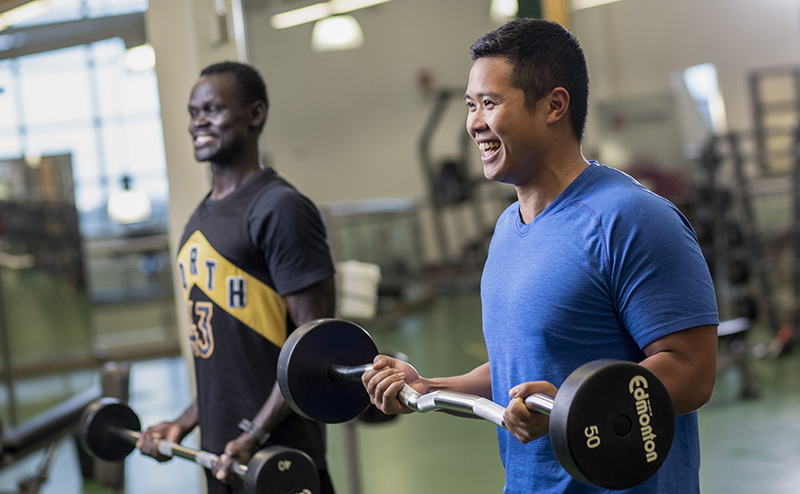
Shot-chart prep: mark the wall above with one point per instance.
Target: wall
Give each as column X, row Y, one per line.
column 346, row 125
column 183, row 43
column 180, row 33
column 633, row 46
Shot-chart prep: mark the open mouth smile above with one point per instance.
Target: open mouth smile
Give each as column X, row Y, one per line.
column 202, row 140
column 488, row 148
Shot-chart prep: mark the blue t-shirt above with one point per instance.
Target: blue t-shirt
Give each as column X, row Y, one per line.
column 604, row 270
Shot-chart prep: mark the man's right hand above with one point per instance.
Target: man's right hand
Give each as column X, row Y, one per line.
column 385, row 380
column 168, row 431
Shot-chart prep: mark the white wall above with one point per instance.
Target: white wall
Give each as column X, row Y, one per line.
column 633, row 46
column 346, row 125
column 178, row 31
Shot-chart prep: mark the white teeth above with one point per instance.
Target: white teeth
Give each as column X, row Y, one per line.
column 487, row 148
column 202, row 139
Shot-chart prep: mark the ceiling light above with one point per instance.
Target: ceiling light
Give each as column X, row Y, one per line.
column 503, row 10
column 585, row 4
column 33, row 157
column 319, row 11
column 341, row 32
column 128, row 206
column 28, row 11
column 140, row 58
column 702, row 84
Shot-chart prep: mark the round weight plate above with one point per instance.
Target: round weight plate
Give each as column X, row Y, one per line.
column 96, row 423
column 612, row 424
column 303, row 367
column 281, row 470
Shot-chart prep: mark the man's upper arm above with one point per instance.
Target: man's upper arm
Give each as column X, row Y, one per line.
column 686, row 361
column 314, row 302
column 287, row 228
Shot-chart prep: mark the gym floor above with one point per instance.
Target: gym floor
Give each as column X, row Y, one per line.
column 748, row 445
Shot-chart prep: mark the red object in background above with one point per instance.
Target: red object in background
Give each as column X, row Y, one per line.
column 671, row 185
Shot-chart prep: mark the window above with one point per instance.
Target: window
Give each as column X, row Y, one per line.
column 84, row 102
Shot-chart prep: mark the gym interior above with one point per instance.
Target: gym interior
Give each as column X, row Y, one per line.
column 697, row 99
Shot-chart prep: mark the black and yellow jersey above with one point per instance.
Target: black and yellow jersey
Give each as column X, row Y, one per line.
column 239, row 256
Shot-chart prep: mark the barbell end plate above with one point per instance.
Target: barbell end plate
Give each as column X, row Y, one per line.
column 606, row 433
column 303, row 366
column 96, row 422
column 280, row 469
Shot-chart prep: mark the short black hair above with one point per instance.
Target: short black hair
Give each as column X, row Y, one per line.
column 544, row 55
column 249, row 80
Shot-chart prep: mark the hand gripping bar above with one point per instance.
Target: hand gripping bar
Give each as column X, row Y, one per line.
column 446, row 400
column 171, row 449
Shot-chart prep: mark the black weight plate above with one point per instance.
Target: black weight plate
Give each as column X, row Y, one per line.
column 612, row 424
column 303, row 370
column 281, row 470
column 94, row 430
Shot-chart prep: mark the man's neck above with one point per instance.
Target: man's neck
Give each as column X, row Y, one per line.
column 535, row 196
column 228, row 178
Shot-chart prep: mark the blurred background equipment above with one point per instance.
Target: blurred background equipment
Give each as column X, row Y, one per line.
column 376, row 135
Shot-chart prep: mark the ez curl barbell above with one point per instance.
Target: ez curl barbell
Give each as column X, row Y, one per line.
column 611, row 423
column 109, row 430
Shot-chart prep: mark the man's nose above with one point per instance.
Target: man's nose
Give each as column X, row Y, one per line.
column 475, row 122
column 198, row 120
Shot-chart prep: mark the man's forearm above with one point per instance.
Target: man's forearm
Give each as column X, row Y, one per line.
column 476, row 382
column 273, row 412
column 189, row 418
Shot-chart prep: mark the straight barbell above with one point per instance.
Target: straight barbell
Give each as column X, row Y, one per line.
column 109, row 430
column 611, row 423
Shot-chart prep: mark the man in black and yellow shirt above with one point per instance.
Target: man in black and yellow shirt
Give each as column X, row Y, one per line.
column 254, row 264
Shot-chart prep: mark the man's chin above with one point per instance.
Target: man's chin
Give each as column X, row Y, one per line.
column 492, row 175
column 203, row 156
column 218, row 156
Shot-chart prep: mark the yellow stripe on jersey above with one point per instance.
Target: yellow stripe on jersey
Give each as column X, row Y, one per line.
column 238, row 293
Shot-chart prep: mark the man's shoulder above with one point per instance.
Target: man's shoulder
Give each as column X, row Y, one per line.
column 279, row 196
column 612, row 191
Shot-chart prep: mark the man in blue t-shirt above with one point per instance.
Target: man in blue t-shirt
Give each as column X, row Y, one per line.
column 587, row 264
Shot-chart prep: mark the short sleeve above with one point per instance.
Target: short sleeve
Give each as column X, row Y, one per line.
column 288, row 229
column 660, row 279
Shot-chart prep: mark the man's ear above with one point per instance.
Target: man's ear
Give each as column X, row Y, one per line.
column 558, row 101
column 258, row 113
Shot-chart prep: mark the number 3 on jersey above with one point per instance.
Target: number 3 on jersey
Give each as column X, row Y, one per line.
column 201, row 334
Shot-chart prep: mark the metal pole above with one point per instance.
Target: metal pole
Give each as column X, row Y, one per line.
column 8, row 367
column 351, row 446
column 239, row 30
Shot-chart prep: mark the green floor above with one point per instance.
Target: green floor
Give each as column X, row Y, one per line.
column 747, row 445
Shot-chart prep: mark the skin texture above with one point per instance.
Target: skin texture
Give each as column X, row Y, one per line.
column 225, row 134
column 535, row 149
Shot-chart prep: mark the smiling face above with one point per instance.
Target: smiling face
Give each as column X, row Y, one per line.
column 508, row 133
column 220, row 125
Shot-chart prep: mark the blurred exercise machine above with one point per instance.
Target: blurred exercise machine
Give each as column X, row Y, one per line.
column 455, row 194
column 44, row 431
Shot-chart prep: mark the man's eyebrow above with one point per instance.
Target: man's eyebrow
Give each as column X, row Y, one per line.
column 481, row 95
